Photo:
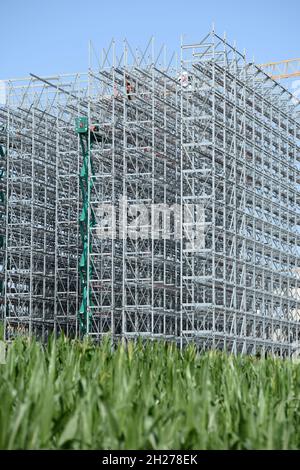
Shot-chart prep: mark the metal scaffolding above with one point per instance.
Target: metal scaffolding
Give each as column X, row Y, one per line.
column 153, row 197
column 42, row 204
column 132, row 275
column 240, row 156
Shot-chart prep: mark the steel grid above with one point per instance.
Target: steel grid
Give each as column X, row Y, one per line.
column 42, row 158
column 240, row 155
column 226, row 141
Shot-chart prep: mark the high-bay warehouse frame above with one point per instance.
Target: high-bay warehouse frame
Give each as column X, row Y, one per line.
column 208, row 133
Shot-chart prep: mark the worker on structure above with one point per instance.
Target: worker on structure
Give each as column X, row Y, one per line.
column 129, row 89
column 95, row 133
column 116, row 92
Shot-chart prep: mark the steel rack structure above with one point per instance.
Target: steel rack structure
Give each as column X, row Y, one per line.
column 42, row 205
column 133, row 169
column 240, row 157
column 91, row 244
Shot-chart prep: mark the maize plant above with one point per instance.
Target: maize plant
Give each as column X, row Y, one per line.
column 78, row 395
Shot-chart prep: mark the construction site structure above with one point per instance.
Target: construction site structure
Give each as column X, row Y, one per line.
column 288, row 68
column 153, row 197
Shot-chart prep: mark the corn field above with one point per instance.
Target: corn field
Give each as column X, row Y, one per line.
column 72, row 395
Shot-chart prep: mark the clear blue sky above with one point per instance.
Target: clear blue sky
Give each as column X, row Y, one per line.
column 51, row 36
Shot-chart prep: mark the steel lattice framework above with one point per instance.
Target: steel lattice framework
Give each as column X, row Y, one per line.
column 211, row 134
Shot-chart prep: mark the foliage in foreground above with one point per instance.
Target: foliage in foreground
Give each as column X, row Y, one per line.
column 76, row 395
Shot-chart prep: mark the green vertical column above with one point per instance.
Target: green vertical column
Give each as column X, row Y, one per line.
column 85, row 223
column 2, row 212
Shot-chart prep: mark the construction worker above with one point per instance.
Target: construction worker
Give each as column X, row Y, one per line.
column 129, row 88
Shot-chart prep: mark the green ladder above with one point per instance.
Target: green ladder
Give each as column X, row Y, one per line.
column 2, row 213
column 85, row 222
